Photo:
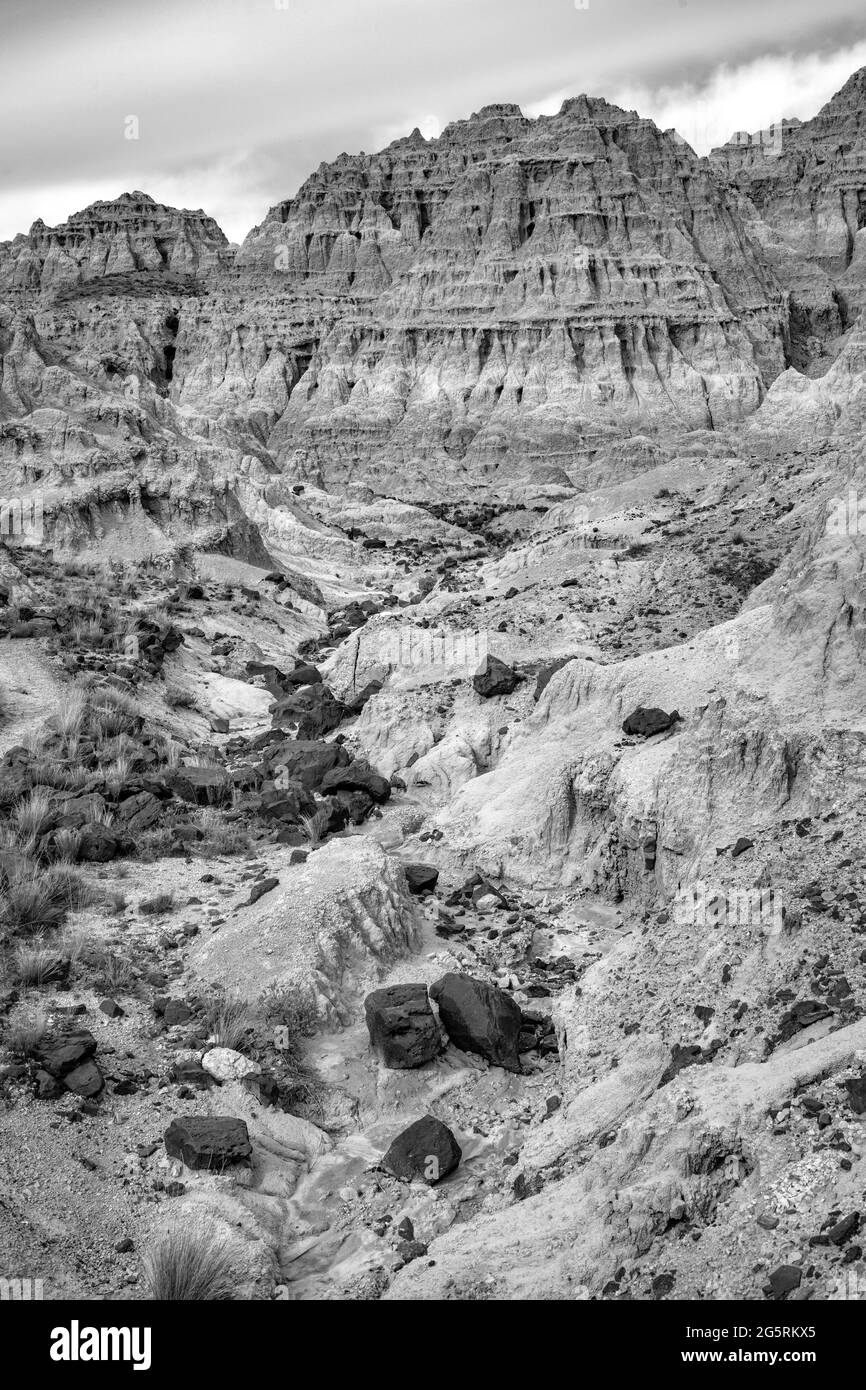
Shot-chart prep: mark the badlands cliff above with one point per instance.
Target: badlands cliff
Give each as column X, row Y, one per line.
column 433, row 757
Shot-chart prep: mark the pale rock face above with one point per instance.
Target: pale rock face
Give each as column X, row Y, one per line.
column 805, row 180
column 130, row 233
column 333, row 925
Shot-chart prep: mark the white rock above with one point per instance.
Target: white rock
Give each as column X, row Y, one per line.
column 224, row 1064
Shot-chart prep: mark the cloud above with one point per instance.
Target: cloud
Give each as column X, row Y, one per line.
column 239, row 100
column 749, row 97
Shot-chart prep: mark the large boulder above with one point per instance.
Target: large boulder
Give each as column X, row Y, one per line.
column 427, row 1150
column 100, row 843
column 303, row 674
column 310, row 711
column 403, row 1031
column 646, row 722
column 494, row 677
column 357, row 777
column 205, row 1141
column 306, row 760
column 479, row 1018
column 138, row 811
column 288, row 801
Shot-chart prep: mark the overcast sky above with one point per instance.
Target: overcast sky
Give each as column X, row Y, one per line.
column 238, row 100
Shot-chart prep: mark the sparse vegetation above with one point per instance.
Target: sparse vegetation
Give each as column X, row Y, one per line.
column 36, row 965
column 176, row 698
column 113, row 973
column 315, row 827
column 28, row 902
column 156, row 843
column 228, row 1021
column 221, row 836
column 186, row 1265
column 23, row 1038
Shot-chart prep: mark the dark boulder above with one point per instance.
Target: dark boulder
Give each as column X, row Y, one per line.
column 310, row 711
column 100, row 843
column 493, row 677
column 358, row 776
column 208, row 1141
column 480, row 1018
column 646, row 722
column 403, row 1031
column 68, row 1057
column 138, row 811
column 85, row 1080
column 426, row 1150
column 421, row 878
column 303, row 674
column 307, row 760
column 288, row 802
column 62, row 1052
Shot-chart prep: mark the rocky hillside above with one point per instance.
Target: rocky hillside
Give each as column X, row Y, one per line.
column 432, row 727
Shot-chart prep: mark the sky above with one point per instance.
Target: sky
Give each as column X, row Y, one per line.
column 228, row 105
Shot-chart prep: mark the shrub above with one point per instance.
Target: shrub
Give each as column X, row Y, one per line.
column 22, row 1039
column 37, row 965
column 315, row 827
column 220, row 835
column 113, row 973
column 290, row 1005
column 69, row 887
column 33, row 814
column 228, row 1020
column 68, row 719
column 154, row 843
column 66, row 845
column 176, row 698
column 189, row 1266
column 28, row 901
